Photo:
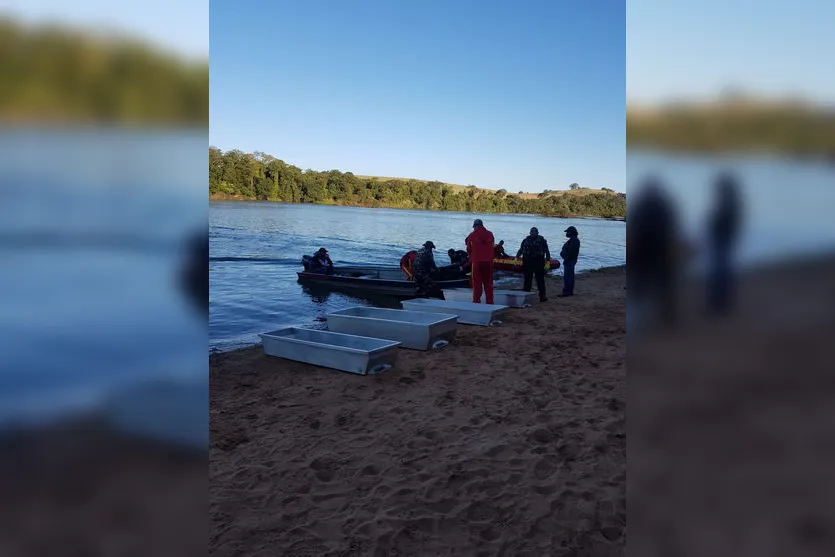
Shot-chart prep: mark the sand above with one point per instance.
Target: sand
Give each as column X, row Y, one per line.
column 81, row 489
column 510, row 441
column 730, row 427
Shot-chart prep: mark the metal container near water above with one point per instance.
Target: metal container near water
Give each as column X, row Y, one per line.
column 351, row 353
column 412, row 329
column 510, row 298
column 467, row 312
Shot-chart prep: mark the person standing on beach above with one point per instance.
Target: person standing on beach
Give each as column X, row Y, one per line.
column 534, row 253
column 653, row 251
column 723, row 231
column 480, row 248
column 424, row 268
column 570, row 253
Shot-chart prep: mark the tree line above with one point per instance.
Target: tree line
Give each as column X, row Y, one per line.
column 736, row 125
column 51, row 73
column 257, row 176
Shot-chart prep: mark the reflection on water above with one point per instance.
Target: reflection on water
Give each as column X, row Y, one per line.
column 320, row 294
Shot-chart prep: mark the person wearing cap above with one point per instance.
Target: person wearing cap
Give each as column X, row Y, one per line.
column 480, row 248
column 321, row 262
column 534, row 253
column 499, row 252
column 570, row 253
column 424, row 268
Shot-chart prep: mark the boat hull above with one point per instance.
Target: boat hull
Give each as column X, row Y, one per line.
column 388, row 281
column 514, row 264
column 468, row 313
column 509, row 298
column 350, row 353
column 413, row 330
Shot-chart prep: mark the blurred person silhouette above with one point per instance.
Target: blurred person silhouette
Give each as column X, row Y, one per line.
column 194, row 278
column 723, row 232
column 652, row 251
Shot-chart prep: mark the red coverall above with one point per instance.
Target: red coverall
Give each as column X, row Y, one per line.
column 480, row 246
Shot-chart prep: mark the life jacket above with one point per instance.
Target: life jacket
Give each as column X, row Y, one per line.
column 407, row 264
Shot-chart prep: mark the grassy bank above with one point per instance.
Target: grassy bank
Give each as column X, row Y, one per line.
column 235, row 175
column 735, row 125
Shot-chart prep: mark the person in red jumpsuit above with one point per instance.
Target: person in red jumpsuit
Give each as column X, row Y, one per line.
column 480, row 248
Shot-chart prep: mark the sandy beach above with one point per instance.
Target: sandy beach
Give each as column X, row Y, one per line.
column 510, row 441
column 730, row 422
column 80, row 488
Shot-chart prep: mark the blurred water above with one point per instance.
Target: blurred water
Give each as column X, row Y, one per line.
column 256, row 251
column 788, row 204
column 93, row 226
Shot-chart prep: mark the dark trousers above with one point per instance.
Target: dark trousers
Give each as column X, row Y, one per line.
column 423, row 285
column 568, row 277
column 535, row 268
column 719, row 282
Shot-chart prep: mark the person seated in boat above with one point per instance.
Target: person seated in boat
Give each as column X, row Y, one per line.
column 321, row 263
column 499, row 251
column 458, row 257
column 424, row 269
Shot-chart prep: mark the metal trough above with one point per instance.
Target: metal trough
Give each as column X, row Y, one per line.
column 350, row 353
column 510, row 298
column 467, row 312
column 412, row 329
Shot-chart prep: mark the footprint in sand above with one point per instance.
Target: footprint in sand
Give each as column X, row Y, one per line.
column 542, row 436
column 499, row 451
column 544, row 468
column 370, row 470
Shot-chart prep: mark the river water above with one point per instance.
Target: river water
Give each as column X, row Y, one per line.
column 256, row 251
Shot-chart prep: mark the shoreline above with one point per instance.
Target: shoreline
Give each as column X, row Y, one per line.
column 510, row 439
column 516, row 283
column 237, row 199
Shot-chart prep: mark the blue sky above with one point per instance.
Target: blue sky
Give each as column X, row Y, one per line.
column 181, row 26
column 684, row 48
column 523, row 95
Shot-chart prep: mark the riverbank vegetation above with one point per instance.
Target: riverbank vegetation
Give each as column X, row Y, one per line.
column 735, row 124
column 256, row 176
column 51, row 74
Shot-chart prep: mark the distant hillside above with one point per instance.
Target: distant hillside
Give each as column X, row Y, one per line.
column 735, row 124
column 257, row 176
column 53, row 74
column 578, row 190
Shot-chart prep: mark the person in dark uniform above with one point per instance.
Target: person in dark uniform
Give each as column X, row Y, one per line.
column 723, row 231
column 570, row 253
column 534, row 253
column 457, row 257
column 321, row 263
column 499, row 250
column 424, row 269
